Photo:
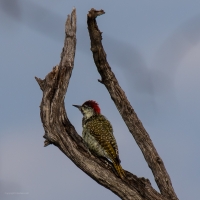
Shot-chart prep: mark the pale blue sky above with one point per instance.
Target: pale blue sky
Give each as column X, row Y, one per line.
column 153, row 48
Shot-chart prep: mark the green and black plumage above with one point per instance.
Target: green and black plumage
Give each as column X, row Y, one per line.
column 98, row 134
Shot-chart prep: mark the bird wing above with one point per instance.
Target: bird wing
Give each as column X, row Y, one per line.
column 102, row 131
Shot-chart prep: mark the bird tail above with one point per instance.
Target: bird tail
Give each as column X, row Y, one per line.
column 119, row 170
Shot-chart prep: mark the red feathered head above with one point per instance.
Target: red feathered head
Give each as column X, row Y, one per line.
column 94, row 105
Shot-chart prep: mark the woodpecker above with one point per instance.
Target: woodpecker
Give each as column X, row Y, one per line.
column 98, row 134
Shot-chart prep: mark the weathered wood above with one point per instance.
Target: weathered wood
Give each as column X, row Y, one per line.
column 61, row 133
column 128, row 114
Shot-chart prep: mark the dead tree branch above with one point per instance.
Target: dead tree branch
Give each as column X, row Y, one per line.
column 61, row 133
column 128, row 114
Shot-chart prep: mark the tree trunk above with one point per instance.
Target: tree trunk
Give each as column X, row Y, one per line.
column 61, row 133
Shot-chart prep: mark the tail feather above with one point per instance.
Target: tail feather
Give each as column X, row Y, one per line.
column 119, row 170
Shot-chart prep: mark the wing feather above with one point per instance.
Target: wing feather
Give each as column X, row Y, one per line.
column 101, row 129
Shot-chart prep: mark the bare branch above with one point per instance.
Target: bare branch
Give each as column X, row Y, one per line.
column 61, row 133
column 127, row 112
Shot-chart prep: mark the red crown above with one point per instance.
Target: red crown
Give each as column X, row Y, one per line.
column 94, row 105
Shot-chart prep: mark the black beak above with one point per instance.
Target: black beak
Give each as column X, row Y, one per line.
column 77, row 106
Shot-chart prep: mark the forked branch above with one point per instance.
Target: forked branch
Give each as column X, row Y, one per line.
column 61, row 133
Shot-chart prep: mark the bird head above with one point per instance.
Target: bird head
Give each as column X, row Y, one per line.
column 89, row 108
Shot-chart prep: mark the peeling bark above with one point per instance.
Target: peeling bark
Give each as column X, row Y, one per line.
column 61, row 133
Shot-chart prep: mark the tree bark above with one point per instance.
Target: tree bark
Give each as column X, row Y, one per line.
column 128, row 114
column 61, row 133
